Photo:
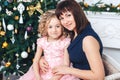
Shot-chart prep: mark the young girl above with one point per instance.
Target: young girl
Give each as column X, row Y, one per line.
column 53, row 44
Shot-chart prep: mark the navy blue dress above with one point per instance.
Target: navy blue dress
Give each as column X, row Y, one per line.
column 75, row 49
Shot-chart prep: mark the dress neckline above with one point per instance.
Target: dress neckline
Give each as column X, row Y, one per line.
column 46, row 38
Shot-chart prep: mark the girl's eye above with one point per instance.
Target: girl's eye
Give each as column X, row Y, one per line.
column 50, row 27
column 57, row 26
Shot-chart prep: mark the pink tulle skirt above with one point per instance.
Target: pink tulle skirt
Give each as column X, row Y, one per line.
column 31, row 76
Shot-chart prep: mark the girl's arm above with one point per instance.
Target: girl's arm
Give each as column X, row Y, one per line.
column 36, row 67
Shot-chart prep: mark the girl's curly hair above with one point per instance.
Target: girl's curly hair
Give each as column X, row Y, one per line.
column 44, row 21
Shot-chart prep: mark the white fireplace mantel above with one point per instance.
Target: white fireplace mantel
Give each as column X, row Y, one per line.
column 107, row 25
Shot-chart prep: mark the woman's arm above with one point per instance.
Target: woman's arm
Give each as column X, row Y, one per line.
column 91, row 49
column 36, row 67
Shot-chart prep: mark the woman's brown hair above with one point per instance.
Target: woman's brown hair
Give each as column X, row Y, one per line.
column 73, row 7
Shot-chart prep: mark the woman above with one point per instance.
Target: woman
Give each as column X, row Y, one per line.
column 85, row 49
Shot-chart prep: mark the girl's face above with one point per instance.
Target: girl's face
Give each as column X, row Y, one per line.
column 68, row 21
column 54, row 29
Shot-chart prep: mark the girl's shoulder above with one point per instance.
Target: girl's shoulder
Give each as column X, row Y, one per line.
column 63, row 38
column 65, row 41
column 41, row 39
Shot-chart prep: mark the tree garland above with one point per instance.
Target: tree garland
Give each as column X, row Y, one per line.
column 100, row 7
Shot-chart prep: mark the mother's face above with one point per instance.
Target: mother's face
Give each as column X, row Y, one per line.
column 68, row 21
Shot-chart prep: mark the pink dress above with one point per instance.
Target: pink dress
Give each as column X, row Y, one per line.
column 53, row 53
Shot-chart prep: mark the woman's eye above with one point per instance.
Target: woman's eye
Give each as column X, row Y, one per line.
column 69, row 15
column 60, row 18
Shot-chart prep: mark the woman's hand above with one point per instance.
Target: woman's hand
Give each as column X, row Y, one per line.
column 39, row 78
column 43, row 65
column 60, row 70
column 56, row 77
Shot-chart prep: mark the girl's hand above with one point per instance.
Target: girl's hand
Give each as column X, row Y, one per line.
column 59, row 70
column 43, row 65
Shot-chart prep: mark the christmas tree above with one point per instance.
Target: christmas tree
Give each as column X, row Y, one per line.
column 19, row 32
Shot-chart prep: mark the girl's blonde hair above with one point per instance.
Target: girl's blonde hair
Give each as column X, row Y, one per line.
column 44, row 21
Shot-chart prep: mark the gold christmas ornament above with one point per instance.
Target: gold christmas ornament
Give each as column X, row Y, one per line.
column 5, row 44
column 113, row 6
column 16, row 17
column 8, row 64
column 2, row 33
column 33, row 60
column 118, row 5
column 32, row 8
column 86, row 5
column 28, row 50
column 16, row 31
